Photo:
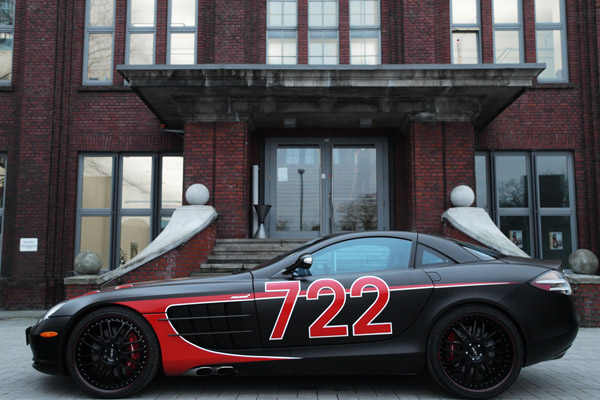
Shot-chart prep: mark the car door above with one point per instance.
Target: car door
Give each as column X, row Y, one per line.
column 356, row 291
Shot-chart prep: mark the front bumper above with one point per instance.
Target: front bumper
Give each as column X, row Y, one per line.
column 48, row 352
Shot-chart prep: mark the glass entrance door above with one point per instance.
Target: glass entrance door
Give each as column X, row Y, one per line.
column 325, row 186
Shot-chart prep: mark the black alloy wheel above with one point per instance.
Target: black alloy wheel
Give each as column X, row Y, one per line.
column 113, row 353
column 475, row 352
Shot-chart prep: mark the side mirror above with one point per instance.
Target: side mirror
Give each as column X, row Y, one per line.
column 304, row 261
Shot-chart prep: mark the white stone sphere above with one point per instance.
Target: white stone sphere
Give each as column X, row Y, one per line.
column 88, row 263
column 462, row 196
column 197, row 195
column 584, row 262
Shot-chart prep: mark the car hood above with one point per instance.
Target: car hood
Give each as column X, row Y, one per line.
column 555, row 265
column 172, row 288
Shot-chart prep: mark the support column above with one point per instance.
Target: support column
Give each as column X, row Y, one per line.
column 216, row 155
column 442, row 157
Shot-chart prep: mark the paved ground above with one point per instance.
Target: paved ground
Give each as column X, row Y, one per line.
column 576, row 376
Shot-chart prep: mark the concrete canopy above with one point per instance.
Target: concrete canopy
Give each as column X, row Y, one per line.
column 332, row 96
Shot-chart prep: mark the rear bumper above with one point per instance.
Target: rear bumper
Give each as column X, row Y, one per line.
column 548, row 322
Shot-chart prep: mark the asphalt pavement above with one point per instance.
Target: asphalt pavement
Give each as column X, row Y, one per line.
column 576, row 376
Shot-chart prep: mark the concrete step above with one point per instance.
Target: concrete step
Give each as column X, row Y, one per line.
column 235, row 255
column 224, row 268
column 241, row 257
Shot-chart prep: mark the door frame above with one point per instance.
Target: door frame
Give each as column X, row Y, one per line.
column 325, row 145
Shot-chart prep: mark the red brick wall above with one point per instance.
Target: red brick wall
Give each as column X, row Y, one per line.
column 177, row 263
column 441, row 157
column 216, row 155
column 587, row 302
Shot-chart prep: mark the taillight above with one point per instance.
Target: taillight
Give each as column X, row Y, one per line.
column 553, row 281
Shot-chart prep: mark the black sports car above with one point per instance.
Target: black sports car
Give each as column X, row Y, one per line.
column 382, row 302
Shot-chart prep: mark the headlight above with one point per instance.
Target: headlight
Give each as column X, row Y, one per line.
column 553, row 281
column 51, row 311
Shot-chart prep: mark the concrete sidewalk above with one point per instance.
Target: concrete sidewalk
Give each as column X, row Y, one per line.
column 576, row 376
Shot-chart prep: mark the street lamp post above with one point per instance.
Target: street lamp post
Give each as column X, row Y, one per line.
column 301, row 172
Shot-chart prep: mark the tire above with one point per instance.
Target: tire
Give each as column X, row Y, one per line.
column 113, row 353
column 474, row 352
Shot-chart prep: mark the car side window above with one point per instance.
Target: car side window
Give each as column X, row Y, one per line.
column 362, row 255
column 426, row 256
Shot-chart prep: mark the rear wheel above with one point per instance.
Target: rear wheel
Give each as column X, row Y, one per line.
column 113, row 353
column 475, row 352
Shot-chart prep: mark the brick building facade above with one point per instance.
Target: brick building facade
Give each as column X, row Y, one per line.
column 349, row 107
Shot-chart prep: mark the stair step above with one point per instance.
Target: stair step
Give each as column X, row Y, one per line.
column 229, row 248
column 241, row 257
column 235, row 255
column 225, row 267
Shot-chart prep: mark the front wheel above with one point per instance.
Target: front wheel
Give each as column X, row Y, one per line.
column 113, row 353
column 474, row 352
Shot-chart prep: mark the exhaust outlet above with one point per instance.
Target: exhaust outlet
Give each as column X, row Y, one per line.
column 226, row 370
column 205, row 371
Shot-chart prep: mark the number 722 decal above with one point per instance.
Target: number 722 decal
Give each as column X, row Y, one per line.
column 321, row 327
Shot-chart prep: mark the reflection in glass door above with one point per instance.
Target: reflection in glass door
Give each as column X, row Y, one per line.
column 298, row 189
column 325, row 187
column 354, row 189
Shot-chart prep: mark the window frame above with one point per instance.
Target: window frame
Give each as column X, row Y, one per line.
column 466, row 28
column 323, row 30
column 10, row 30
column 534, row 212
column 130, row 29
column 364, row 29
column 178, row 29
column 510, row 27
column 553, row 26
column 89, row 30
column 280, row 29
column 116, row 212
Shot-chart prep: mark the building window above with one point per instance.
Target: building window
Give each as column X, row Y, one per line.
column 7, row 33
column 124, row 202
column 465, row 26
column 141, row 28
column 323, row 32
column 282, row 32
column 182, row 31
column 531, row 198
column 508, row 31
column 550, row 37
column 364, row 32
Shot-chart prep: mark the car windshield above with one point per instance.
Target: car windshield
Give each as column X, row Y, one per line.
column 290, row 253
column 483, row 253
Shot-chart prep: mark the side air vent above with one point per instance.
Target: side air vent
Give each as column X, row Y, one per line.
column 219, row 326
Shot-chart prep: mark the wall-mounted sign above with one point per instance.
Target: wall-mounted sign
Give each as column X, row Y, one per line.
column 29, row 244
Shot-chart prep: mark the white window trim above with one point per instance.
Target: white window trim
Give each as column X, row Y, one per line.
column 140, row 29
column 552, row 26
column 97, row 30
column 510, row 27
column 322, row 38
column 280, row 29
column 466, row 28
column 178, row 29
column 358, row 28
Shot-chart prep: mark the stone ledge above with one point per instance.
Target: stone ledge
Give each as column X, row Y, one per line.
column 583, row 279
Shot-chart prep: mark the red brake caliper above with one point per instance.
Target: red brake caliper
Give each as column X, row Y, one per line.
column 135, row 355
column 451, row 338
